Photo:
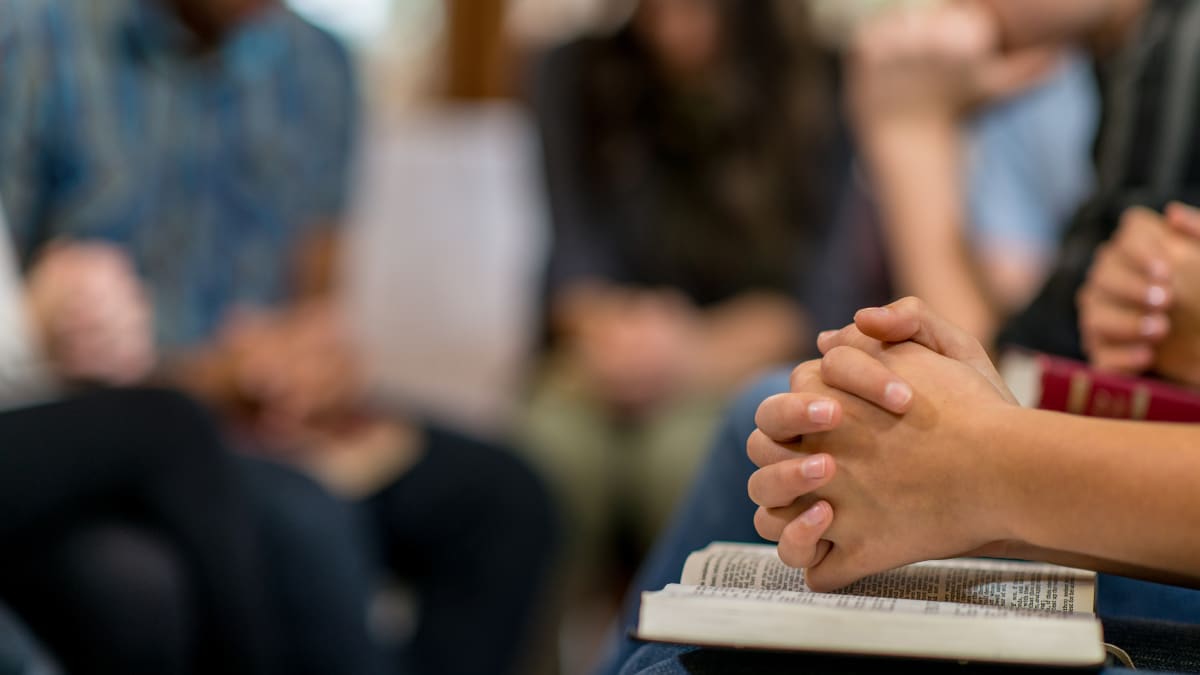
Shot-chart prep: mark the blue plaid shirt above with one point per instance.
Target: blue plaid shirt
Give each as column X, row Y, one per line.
column 208, row 167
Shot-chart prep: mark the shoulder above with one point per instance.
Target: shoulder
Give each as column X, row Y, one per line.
column 312, row 44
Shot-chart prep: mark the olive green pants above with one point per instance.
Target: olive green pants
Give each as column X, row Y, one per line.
column 609, row 473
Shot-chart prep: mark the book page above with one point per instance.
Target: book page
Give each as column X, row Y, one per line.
column 989, row 583
column 843, row 601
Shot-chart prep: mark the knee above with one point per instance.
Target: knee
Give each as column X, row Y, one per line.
column 166, row 425
column 131, row 593
column 511, row 499
column 308, row 535
column 292, row 506
column 128, row 571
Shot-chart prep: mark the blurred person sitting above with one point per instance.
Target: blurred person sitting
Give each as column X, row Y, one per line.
column 211, row 142
column 703, row 129
column 695, row 167
column 86, row 501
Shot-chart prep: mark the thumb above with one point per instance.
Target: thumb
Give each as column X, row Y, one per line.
column 910, row 319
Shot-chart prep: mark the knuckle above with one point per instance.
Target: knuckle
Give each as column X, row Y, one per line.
column 1130, row 220
column 1083, row 298
column 793, row 475
column 762, row 524
column 798, row 376
column 910, row 304
column 752, row 489
column 803, row 375
column 1087, row 322
column 754, row 446
column 791, row 552
column 836, row 356
column 762, row 414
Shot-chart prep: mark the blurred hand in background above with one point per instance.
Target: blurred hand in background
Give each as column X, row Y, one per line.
column 294, row 370
column 91, row 313
column 635, row 347
column 936, row 63
column 1140, row 305
column 1178, row 357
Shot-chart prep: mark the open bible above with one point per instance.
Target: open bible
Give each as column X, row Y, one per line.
column 967, row 609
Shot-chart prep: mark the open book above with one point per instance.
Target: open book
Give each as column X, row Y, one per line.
column 742, row 595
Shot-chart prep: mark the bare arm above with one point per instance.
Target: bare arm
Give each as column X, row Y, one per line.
column 1102, row 24
column 913, row 76
column 958, row 468
column 918, row 179
column 1110, row 495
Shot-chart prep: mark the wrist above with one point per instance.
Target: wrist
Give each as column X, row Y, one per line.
column 1004, row 463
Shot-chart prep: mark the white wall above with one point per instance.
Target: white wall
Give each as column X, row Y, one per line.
column 445, row 256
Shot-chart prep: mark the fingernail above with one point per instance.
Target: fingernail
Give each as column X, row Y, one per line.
column 814, row 516
column 897, row 394
column 1153, row 325
column 813, row 467
column 1156, row 296
column 825, row 335
column 820, row 412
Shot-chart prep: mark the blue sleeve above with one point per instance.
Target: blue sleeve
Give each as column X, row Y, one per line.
column 25, row 88
column 331, row 82
column 1030, row 164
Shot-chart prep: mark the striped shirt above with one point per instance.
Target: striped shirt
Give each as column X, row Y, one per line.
column 206, row 166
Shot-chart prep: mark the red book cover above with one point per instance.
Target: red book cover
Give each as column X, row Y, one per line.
column 1071, row 386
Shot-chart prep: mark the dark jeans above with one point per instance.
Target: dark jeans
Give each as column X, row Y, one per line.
column 19, row 653
column 319, row 572
column 471, row 530
column 132, row 543
column 718, row 508
column 126, row 540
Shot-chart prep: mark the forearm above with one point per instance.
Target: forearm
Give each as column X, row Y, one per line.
column 205, row 373
column 918, row 180
column 1117, row 495
column 749, row 333
column 1102, row 24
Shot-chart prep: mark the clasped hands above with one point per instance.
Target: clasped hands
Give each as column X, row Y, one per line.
column 878, row 455
column 1139, row 308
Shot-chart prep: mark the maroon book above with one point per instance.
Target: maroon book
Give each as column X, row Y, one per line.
column 1074, row 387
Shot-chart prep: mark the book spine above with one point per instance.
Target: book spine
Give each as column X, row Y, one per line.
column 1074, row 388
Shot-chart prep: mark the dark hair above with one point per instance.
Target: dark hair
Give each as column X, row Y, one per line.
column 732, row 168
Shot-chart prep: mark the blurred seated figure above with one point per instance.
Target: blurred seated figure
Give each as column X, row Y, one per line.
column 128, row 543
column 211, row 142
column 695, row 170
